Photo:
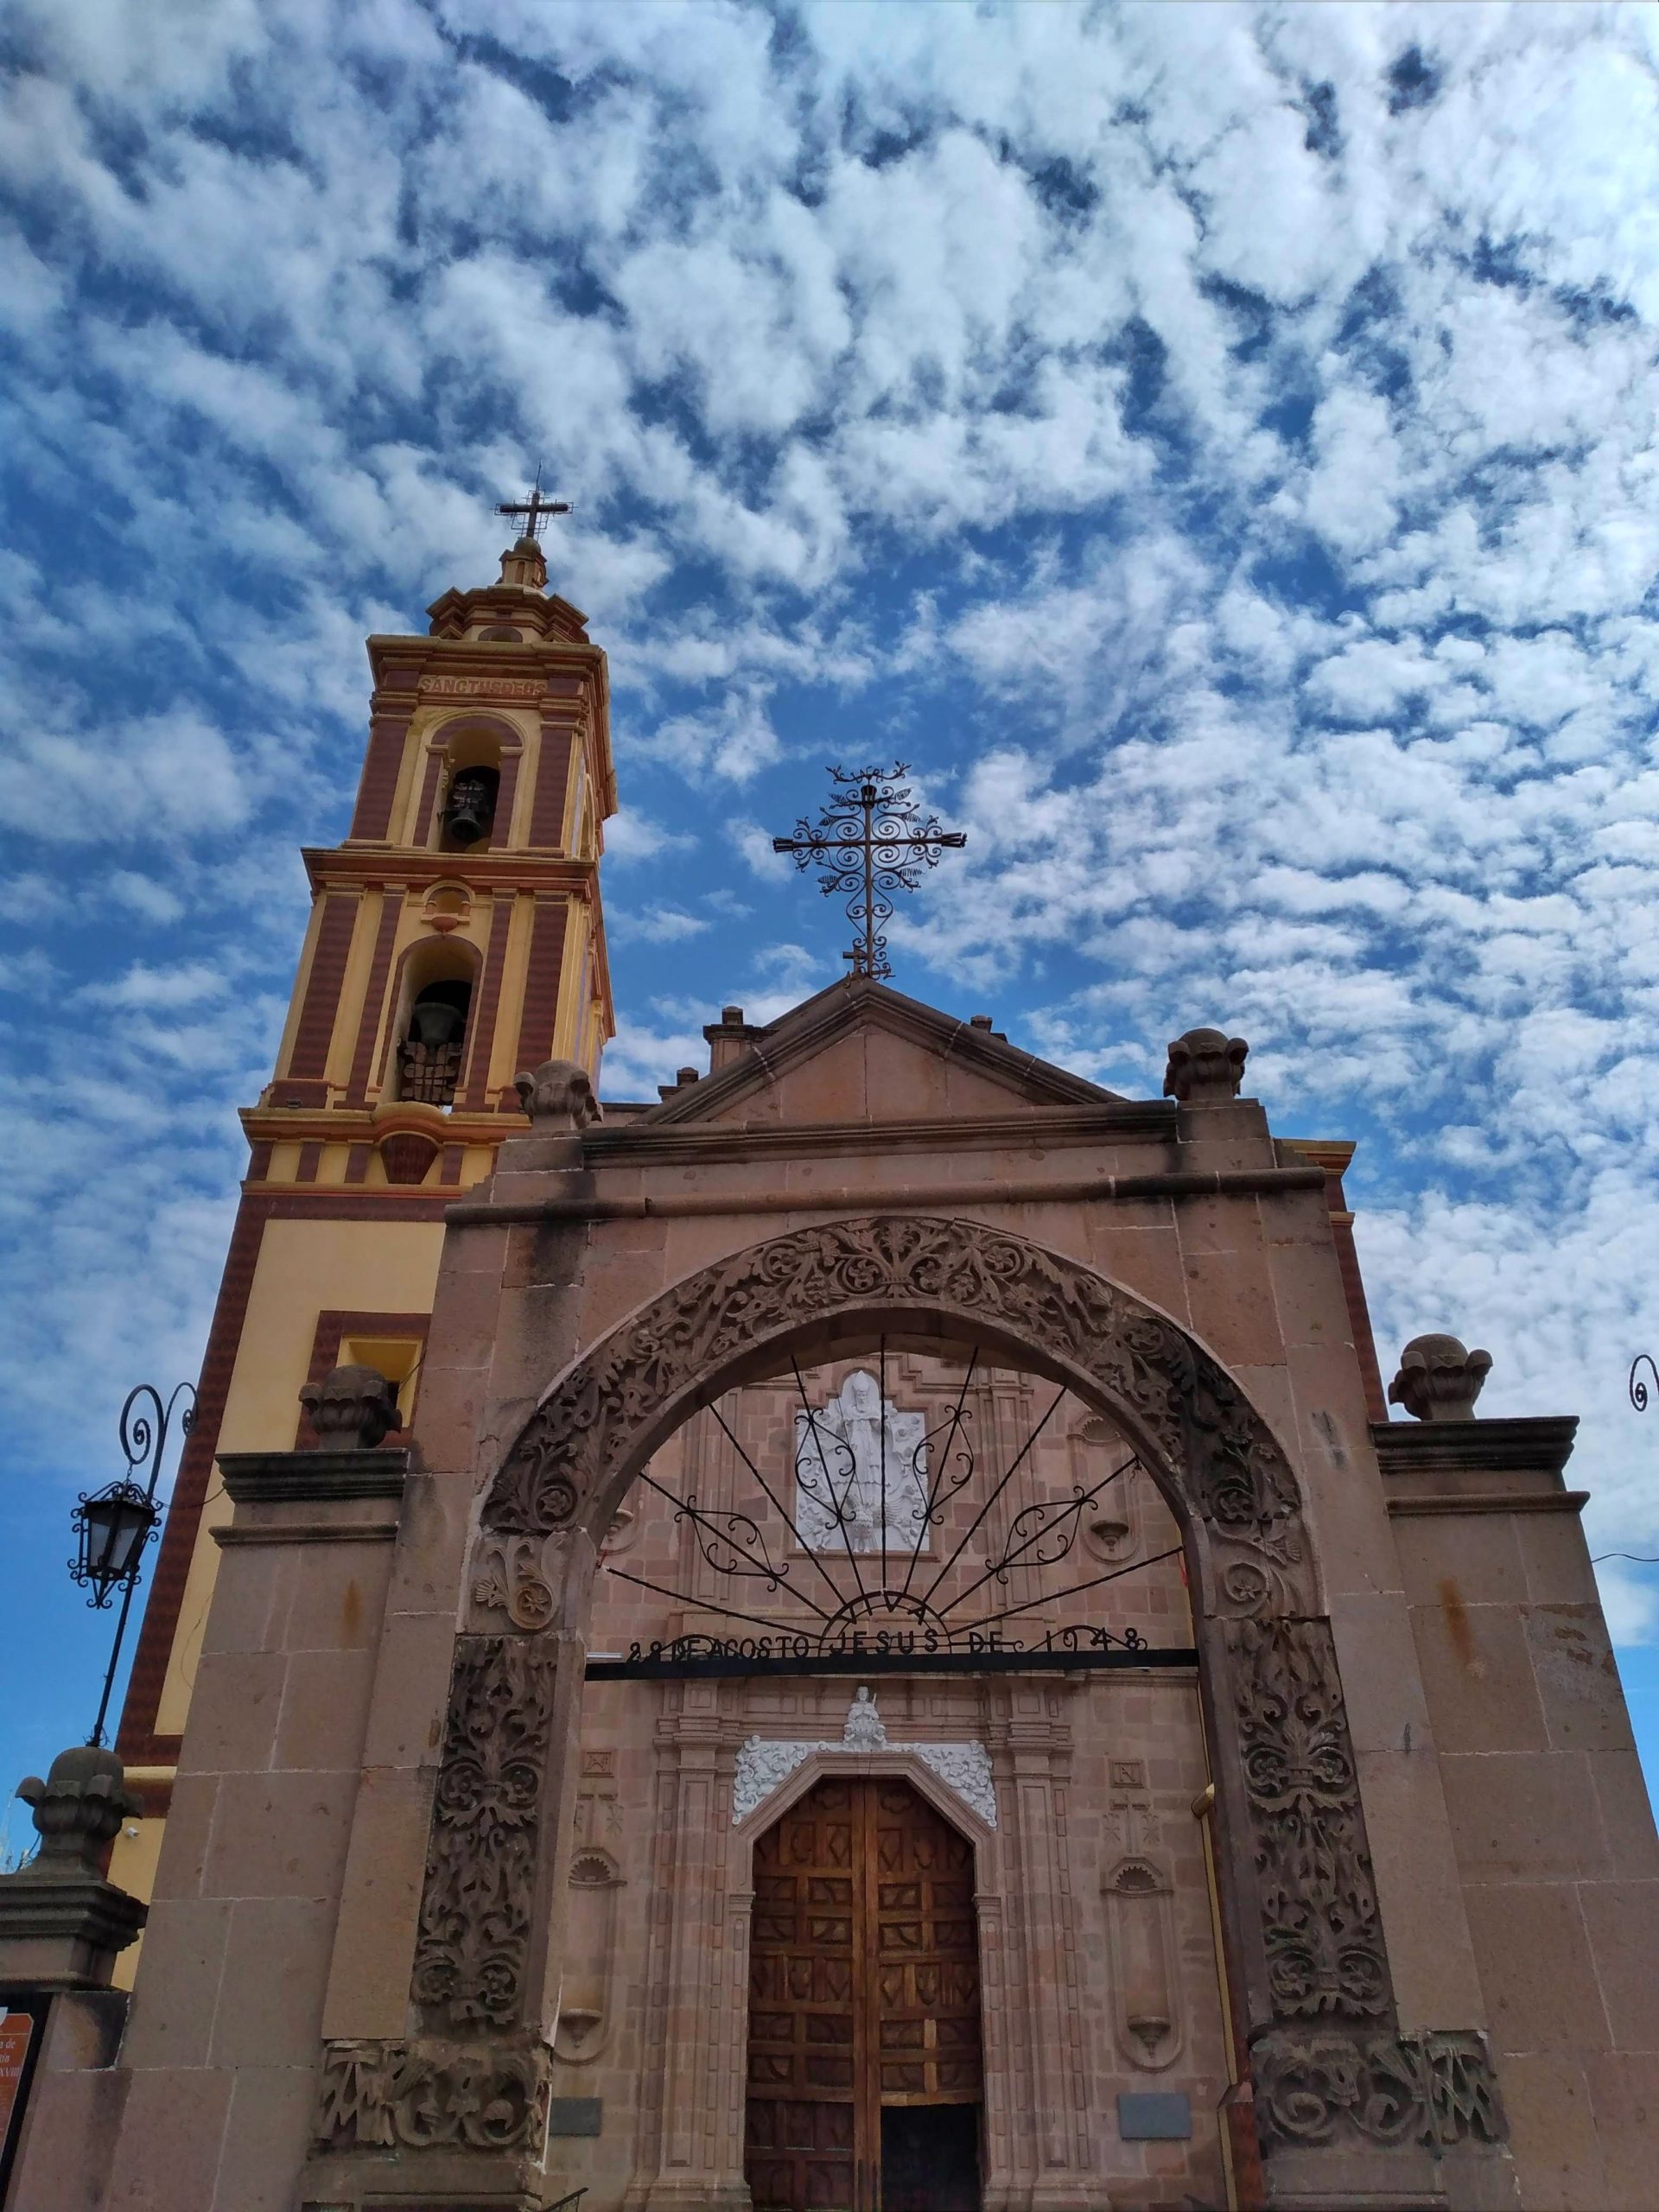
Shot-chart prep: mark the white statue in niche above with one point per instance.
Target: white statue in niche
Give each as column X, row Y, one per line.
column 852, row 1453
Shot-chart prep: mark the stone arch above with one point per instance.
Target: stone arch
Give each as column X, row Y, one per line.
column 1209, row 1451
column 1307, row 1966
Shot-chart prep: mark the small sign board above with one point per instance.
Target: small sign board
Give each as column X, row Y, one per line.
column 23, row 2025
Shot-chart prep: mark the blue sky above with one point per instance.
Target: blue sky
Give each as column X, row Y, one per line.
column 1214, row 445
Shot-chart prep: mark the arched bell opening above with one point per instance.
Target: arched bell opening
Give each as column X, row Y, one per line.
column 473, row 800
column 431, row 1022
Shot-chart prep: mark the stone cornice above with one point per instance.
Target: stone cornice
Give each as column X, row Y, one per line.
column 359, row 1125
column 1110, row 1122
column 534, row 657
column 864, row 1197
column 365, row 866
column 1539, row 1447
column 312, row 1477
column 41, row 1904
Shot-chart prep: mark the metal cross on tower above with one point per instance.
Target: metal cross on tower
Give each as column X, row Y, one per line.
column 535, row 509
column 869, row 843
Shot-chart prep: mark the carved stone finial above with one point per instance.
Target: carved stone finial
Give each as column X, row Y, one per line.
column 351, row 1409
column 78, row 1809
column 1439, row 1380
column 1206, row 1068
column 557, row 1097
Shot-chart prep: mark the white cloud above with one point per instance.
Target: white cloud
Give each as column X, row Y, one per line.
column 1236, row 494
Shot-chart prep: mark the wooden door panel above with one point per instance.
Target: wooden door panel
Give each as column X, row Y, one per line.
column 864, row 1991
column 927, row 2032
column 801, row 2140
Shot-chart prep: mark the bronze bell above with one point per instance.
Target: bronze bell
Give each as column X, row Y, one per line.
column 433, row 1022
column 470, row 808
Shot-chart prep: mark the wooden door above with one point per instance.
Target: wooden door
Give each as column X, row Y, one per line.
column 864, row 1996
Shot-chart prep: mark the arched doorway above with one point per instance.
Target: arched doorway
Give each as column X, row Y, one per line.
column 865, row 2078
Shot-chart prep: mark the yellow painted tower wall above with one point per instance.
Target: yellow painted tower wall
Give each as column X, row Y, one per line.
column 334, row 1252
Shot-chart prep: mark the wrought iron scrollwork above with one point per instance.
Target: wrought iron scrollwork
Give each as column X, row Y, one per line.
column 870, row 841
column 861, row 1532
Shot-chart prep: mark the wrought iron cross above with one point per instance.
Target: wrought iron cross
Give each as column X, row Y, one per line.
column 869, row 843
column 535, row 509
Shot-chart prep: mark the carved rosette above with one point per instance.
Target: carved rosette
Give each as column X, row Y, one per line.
column 481, row 1857
column 431, row 2095
column 1215, row 1453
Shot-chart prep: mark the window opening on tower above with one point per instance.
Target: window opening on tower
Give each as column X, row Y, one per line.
column 428, row 1059
column 469, row 809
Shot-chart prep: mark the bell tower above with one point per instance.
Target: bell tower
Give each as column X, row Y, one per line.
column 455, row 938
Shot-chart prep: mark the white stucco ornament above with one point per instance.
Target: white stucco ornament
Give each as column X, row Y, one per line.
column 764, row 1765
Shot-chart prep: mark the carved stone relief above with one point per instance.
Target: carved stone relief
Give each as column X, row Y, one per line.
column 1329, row 2066
column 428, row 2095
column 1214, row 1450
column 1436, row 2088
column 1320, row 1924
column 764, row 1766
column 481, row 1857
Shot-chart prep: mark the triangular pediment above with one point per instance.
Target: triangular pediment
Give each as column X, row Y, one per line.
column 861, row 1053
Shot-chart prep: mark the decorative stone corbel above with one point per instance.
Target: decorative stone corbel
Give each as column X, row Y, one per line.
column 1206, row 1068
column 352, row 1410
column 61, row 1923
column 1439, row 1380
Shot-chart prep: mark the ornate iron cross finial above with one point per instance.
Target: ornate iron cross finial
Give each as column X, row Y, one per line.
column 869, row 843
column 534, row 510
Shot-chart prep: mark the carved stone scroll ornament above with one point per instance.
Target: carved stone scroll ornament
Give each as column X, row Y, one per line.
column 764, row 1765
column 1320, row 1918
column 1436, row 2088
column 481, row 1857
column 1214, row 1449
column 431, row 2096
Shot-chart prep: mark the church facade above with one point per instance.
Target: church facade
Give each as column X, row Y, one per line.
column 858, row 1636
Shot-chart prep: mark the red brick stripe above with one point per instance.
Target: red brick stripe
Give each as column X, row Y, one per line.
column 428, row 798
column 374, row 998
column 317, row 1027
column 488, row 1003
column 552, row 786
column 379, row 786
column 502, row 828
column 540, row 1011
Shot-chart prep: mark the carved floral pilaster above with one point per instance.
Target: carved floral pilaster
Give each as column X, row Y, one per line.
column 483, row 1854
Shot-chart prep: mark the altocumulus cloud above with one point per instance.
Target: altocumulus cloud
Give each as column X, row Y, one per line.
column 1214, row 446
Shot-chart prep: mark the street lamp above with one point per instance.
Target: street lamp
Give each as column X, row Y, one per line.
column 114, row 1525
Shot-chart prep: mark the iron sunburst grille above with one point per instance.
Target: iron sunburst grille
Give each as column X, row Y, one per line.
column 857, row 1549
